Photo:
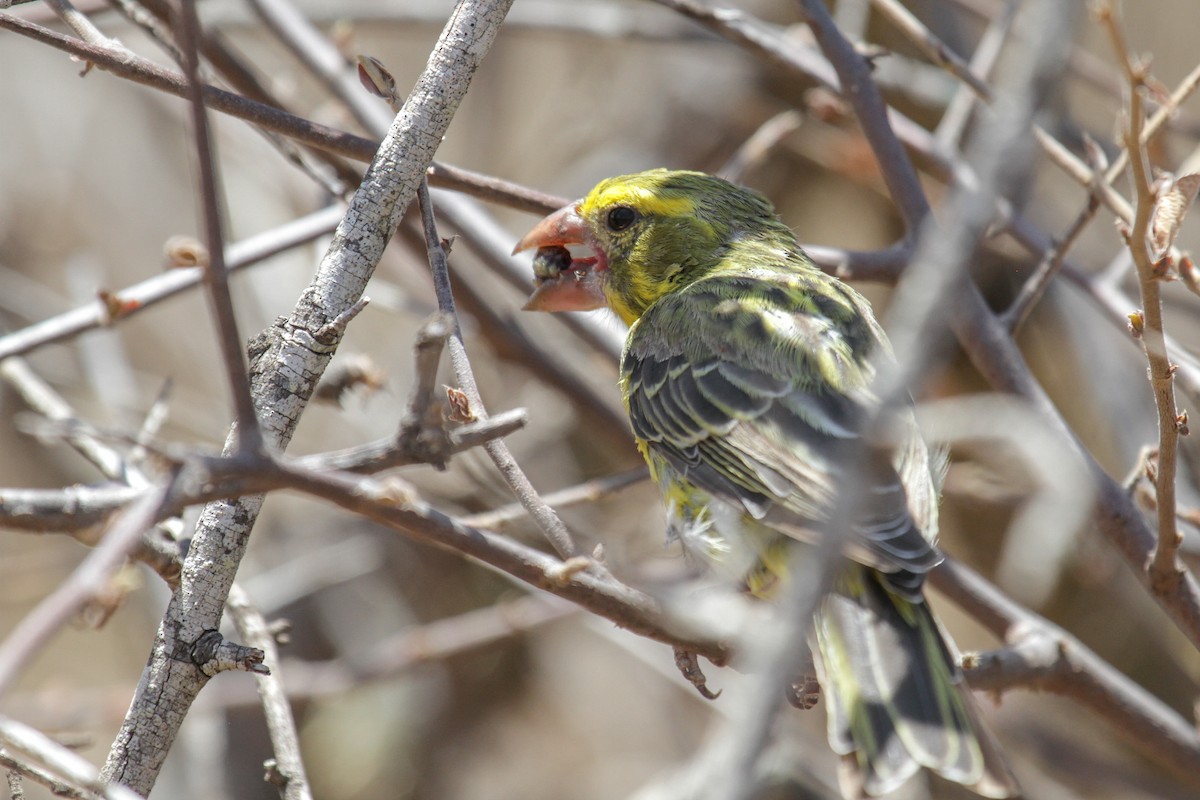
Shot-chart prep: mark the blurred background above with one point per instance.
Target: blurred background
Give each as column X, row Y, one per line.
column 486, row 692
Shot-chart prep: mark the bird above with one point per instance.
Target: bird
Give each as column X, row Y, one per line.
column 747, row 376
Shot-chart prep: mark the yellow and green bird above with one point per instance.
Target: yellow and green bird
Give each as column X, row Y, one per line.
column 746, row 373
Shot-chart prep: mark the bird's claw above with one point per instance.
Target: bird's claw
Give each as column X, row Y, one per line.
column 688, row 664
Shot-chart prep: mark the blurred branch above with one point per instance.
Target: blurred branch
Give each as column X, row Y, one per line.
column 72, row 509
column 854, row 74
column 22, row 746
column 81, row 25
column 231, row 66
column 49, row 404
column 143, row 71
column 433, row 641
column 958, row 112
column 144, row 294
column 78, row 509
column 1035, row 287
column 994, row 354
column 88, row 580
column 586, row 492
column 1041, row 655
column 933, row 48
column 755, row 149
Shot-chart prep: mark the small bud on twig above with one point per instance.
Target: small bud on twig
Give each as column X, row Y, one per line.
column 115, row 307
column 1137, row 323
column 376, row 78
column 184, row 251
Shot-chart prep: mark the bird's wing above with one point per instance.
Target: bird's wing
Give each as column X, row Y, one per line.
column 754, row 388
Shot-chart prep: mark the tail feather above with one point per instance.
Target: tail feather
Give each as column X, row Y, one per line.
column 896, row 696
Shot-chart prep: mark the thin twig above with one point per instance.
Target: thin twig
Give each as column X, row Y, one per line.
column 586, row 492
column 147, row 293
column 1052, row 260
column 934, row 48
column 88, row 579
column 1041, row 655
column 1084, row 175
column 433, row 641
column 233, row 357
column 42, row 398
column 958, row 112
column 755, row 149
column 281, row 725
column 397, row 452
column 70, row 768
column 359, row 148
column 542, row 514
column 509, row 340
column 1165, row 569
column 82, row 26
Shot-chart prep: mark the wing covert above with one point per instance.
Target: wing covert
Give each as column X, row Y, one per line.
column 728, row 399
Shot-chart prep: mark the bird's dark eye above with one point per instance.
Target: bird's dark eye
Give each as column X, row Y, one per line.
column 621, row 218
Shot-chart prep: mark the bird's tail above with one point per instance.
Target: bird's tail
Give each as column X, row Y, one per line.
column 896, row 697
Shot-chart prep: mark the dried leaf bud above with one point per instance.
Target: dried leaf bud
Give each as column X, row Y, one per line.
column 184, row 251
column 375, row 77
column 115, row 307
column 1174, row 200
column 460, row 406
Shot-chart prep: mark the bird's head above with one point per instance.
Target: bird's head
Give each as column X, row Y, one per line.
column 639, row 237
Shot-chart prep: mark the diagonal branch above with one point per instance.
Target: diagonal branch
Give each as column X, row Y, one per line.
column 1041, row 655
column 288, row 360
column 302, row 130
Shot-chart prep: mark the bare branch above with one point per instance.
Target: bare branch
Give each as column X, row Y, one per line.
column 249, row 435
column 62, row 764
column 1041, row 655
column 289, row 360
column 253, row 627
column 311, row 133
column 88, row 579
column 934, row 49
column 545, row 517
column 1166, row 573
column 586, row 492
column 147, row 293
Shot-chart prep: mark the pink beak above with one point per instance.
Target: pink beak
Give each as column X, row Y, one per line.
column 576, row 288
